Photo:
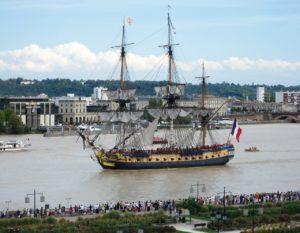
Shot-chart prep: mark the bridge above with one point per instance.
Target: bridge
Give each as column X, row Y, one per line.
column 288, row 116
column 269, row 116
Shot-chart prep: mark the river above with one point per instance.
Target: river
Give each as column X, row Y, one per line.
column 59, row 168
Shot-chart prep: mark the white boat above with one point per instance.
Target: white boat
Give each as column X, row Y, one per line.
column 225, row 121
column 13, row 145
column 91, row 128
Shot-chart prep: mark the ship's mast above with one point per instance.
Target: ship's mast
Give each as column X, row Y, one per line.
column 203, row 111
column 170, row 97
column 123, row 71
column 123, row 53
column 123, row 57
column 169, row 46
column 170, row 51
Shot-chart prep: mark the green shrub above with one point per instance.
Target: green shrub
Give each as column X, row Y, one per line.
column 272, row 211
column 50, row 220
column 34, row 221
column 27, row 230
column 296, row 217
column 112, row 215
column 291, row 207
column 269, row 205
column 24, row 221
column 62, row 221
column 13, row 222
column 159, row 229
column 241, row 222
column 284, row 218
column 4, row 223
column 264, row 219
column 278, row 204
column 192, row 205
column 233, row 213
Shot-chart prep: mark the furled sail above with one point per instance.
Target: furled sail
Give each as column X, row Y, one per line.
column 171, row 113
column 119, row 116
column 174, row 89
column 121, row 94
column 198, row 113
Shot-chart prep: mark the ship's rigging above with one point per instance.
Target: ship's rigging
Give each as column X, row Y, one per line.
column 134, row 147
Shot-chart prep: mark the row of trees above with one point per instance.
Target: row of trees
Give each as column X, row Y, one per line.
column 11, row 123
column 60, row 87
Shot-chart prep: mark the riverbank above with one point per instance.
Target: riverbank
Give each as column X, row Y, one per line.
column 172, row 206
column 274, row 217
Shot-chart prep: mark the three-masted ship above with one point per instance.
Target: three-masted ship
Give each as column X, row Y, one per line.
column 134, row 149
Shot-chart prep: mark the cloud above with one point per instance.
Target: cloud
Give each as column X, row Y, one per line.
column 76, row 61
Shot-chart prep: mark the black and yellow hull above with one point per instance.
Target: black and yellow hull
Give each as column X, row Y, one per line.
column 179, row 159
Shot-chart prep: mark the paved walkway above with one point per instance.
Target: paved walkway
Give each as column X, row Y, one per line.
column 186, row 227
column 189, row 227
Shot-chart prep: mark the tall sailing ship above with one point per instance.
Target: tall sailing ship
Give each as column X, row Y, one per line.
column 134, row 148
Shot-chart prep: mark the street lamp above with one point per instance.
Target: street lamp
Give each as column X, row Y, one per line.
column 27, row 200
column 7, row 203
column 219, row 216
column 198, row 186
column 252, row 213
column 224, row 216
column 68, row 200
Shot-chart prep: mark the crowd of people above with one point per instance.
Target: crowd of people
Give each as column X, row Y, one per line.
column 147, row 206
column 245, row 199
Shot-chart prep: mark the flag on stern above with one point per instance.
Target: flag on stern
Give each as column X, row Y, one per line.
column 236, row 130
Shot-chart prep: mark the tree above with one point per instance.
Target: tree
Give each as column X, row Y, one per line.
column 2, row 120
column 11, row 123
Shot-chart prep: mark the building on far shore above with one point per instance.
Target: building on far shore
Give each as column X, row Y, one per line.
column 99, row 93
column 210, row 102
column 291, row 97
column 262, row 107
column 73, row 110
column 260, row 94
column 34, row 111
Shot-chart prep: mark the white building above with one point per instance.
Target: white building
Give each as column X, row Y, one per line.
column 260, row 94
column 74, row 111
column 288, row 97
column 34, row 111
column 99, row 93
column 210, row 102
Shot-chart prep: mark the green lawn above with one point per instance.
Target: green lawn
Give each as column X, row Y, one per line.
column 205, row 230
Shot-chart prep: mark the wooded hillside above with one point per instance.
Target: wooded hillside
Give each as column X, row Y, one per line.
column 60, row 87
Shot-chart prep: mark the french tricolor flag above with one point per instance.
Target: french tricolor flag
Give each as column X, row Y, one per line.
column 236, row 130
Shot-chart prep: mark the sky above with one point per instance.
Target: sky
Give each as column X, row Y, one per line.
column 239, row 41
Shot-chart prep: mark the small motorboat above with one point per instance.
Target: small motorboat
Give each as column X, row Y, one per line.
column 13, row 145
column 252, row 149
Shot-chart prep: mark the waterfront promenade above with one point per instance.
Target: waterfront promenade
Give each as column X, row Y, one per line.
column 168, row 206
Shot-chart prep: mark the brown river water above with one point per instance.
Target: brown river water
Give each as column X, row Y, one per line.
column 60, row 169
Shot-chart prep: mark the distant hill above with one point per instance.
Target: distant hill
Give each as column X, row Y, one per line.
column 60, row 87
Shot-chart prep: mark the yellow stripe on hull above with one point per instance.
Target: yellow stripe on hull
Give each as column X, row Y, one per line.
column 108, row 164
